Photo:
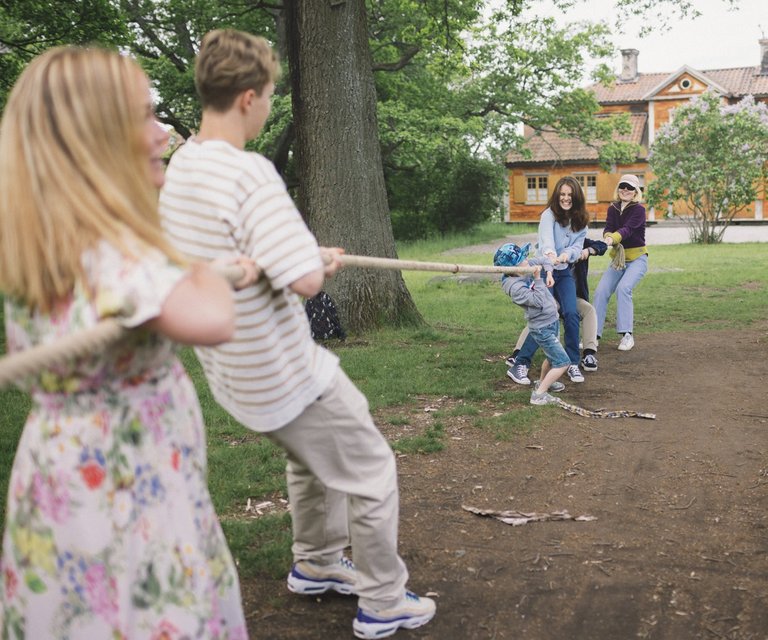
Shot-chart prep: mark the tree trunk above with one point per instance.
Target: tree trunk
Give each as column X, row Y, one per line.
column 341, row 179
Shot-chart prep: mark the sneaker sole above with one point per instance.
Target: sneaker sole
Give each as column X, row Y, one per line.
column 586, row 368
column 523, row 381
column 306, row 587
column 374, row 630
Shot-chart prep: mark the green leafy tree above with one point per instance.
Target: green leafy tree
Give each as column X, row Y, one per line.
column 711, row 157
column 29, row 27
column 450, row 81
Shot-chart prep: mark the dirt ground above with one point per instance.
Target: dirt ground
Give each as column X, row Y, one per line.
column 679, row 547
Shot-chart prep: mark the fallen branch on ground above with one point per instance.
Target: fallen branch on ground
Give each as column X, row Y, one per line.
column 517, row 518
column 603, row 413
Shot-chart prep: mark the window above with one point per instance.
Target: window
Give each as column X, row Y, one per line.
column 685, row 83
column 588, row 182
column 536, row 189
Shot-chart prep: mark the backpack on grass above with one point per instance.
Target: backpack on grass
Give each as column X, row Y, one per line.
column 323, row 318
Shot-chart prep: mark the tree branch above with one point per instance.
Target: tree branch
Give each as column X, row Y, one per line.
column 408, row 54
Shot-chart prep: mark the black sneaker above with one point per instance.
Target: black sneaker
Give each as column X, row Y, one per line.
column 589, row 362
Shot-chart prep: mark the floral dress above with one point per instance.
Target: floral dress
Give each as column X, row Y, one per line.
column 110, row 531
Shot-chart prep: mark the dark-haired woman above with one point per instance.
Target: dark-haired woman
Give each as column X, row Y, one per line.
column 562, row 229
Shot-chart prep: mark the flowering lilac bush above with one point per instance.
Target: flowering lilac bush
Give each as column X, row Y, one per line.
column 711, row 157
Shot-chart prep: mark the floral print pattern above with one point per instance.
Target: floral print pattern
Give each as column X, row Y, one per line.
column 110, row 530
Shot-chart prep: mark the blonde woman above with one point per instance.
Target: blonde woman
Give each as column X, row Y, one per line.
column 625, row 226
column 110, row 531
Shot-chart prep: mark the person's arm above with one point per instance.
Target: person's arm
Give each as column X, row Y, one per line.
column 199, row 310
column 546, row 263
column 309, row 285
column 611, row 224
column 312, row 283
column 547, row 234
column 593, row 248
column 572, row 251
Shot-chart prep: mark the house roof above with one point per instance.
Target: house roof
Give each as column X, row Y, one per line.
column 739, row 81
column 551, row 147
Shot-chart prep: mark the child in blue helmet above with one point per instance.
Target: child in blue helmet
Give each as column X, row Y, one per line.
column 540, row 308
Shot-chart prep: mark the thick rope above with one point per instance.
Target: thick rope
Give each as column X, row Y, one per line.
column 413, row 265
column 108, row 331
column 619, row 261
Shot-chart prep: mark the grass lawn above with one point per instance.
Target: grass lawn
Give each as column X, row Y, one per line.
column 468, row 326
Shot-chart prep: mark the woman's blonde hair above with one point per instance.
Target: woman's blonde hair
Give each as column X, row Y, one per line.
column 73, row 171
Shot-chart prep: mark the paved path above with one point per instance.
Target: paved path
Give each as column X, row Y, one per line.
column 656, row 234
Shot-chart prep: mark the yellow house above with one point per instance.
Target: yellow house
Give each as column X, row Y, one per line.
column 649, row 99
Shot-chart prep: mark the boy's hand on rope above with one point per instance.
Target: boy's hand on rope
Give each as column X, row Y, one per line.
column 241, row 271
column 331, row 260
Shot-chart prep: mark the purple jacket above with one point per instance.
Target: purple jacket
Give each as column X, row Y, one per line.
column 629, row 224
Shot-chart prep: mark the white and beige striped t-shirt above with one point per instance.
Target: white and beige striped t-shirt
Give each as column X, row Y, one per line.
column 221, row 201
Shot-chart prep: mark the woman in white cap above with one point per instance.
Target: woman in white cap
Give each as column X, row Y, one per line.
column 624, row 232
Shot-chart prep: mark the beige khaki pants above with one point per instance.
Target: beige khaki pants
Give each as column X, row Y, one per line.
column 588, row 317
column 342, row 486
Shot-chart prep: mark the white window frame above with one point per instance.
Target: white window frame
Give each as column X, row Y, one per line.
column 539, row 192
column 590, row 191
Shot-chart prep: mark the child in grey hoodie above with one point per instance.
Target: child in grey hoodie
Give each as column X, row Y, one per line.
column 540, row 308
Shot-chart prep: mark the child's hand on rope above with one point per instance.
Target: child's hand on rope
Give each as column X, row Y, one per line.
column 537, row 272
column 227, row 267
column 331, row 260
column 550, row 280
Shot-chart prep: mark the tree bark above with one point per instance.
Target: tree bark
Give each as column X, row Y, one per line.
column 341, row 180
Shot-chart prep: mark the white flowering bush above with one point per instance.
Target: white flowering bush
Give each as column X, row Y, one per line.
column 711, row 156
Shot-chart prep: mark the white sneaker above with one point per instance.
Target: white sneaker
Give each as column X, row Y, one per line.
column 411, row 612
column 627, row 342
column 555, row 387
column 575, row 374
column 310, row 578
column 543, row 398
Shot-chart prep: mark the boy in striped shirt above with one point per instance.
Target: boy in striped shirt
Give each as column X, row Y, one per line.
column 219, row 200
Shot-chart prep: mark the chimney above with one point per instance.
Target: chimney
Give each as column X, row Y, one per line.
column 764, row 57
column 628, row 65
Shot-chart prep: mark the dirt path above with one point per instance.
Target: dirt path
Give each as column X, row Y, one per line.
column 679, row 549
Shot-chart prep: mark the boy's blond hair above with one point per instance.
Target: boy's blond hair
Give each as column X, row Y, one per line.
column 73, row 171
column 231, row 62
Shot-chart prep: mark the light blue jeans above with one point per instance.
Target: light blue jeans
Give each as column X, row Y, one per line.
column 622, row 281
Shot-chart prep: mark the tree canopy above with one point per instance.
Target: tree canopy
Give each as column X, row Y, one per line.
column 711, row 156
column 454, row 81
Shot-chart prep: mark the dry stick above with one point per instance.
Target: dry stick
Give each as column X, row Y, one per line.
column 108, row 331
